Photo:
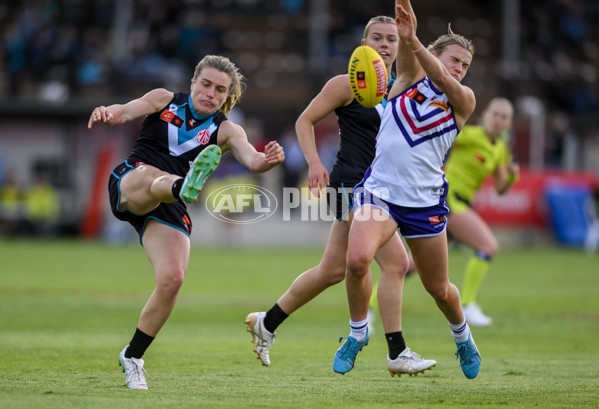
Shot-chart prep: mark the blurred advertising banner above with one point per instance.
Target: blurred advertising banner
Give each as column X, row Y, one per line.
column 525, row 203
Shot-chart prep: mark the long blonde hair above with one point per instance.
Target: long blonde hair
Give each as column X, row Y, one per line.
column 223, row 64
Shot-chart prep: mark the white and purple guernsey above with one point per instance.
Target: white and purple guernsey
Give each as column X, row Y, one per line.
column 417, row 130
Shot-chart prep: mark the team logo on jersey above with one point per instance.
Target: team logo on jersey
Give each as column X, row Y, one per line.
column 416, row 96
column 440, row 104
column 203, row 136
column 437, row 191
column 167, row 116
column 171, row 118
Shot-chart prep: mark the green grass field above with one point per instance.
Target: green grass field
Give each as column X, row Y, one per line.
column 67, row 308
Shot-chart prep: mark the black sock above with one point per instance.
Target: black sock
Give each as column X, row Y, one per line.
column 396, row 344
column 138, row 345
column 274, row 317
column 177, row 188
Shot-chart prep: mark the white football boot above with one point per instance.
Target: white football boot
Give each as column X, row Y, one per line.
column 261, row 337
column 408, row 362
column 134, row 371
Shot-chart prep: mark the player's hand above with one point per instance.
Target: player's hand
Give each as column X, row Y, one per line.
column 405, row 25
column 274, row 153
column 318, row 178
column 99, row 114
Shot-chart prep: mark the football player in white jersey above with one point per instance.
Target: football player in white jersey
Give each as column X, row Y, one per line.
column 358, row 127
column 405, row 187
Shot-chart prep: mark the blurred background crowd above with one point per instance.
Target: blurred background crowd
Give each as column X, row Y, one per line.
column 60, row 58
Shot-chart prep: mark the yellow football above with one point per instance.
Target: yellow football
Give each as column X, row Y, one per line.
column 367, row 76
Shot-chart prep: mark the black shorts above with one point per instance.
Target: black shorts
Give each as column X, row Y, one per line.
column 340, row 199
column 171, row 214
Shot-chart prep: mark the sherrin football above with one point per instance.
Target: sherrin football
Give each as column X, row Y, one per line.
column 367, row 76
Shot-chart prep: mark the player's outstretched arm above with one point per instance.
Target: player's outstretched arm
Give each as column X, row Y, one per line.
column 335, row 93
column 119, row 114
column 232, row 137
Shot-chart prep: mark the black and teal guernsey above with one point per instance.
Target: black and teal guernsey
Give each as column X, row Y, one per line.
column 358, row 128
column 171, row 138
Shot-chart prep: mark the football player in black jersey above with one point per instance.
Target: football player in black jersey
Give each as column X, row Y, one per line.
column 179, row 146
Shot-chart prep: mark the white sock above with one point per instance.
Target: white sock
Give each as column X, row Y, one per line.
column 358, row 329
column 460, row 332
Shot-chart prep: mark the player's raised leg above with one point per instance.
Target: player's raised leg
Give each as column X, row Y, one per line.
column 202, row 167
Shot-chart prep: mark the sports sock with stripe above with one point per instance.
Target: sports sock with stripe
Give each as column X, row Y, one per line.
column 460, row 332
column 358, row 329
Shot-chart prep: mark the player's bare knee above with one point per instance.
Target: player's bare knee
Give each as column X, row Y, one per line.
column 439, row 293
column 170, row 283
column 398, row 270
column 336, row 275
column 357, row 265
column 331, row 271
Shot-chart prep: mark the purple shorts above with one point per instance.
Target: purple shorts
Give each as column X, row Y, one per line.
column 411, row 221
